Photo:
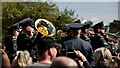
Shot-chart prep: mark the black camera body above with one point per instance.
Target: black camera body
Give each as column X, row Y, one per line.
column 68, row 53
column 72, row 55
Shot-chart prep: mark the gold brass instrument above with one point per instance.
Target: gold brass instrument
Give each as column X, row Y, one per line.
column 45, row 27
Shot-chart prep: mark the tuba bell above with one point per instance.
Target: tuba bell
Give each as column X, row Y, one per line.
column 45, row 27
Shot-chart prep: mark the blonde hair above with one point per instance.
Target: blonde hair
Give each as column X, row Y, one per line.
column 22, row 59
column 101, row 54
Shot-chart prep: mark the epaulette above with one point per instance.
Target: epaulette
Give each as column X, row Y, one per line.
column 105, row 43
column 86, row 36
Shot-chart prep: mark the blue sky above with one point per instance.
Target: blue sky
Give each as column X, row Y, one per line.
column 93, row 11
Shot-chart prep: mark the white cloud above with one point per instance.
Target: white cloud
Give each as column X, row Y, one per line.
column 94, row 19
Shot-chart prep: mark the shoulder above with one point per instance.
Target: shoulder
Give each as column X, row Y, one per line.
column 8, row 37
column 83, row 41
column 68, row 41
column 21, row 35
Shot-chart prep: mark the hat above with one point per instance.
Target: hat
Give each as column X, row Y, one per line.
column 75, row 26
column 26, row 22
column 13, row 27
column 45, row 43
column 77, row 21
column 99, row 25
column 87, row 25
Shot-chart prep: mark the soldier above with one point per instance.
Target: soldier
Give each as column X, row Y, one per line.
column 85, row 32
column 68, row 37
column 76, row 43
column 112, row 47
column 98, row 40
column 11, row 40
column 103, row 33
column 27, row 36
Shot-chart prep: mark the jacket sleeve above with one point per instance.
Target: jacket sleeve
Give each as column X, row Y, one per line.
column 91, row 58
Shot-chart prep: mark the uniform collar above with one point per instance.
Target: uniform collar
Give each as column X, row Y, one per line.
column 76, row 37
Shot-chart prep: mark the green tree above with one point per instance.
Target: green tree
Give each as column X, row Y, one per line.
column 115, row 26
column 13, row 12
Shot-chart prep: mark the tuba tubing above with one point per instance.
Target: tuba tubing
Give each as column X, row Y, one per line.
column 45, row 27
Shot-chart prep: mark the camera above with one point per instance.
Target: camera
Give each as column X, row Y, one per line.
column 71, row 55
column 68, row 53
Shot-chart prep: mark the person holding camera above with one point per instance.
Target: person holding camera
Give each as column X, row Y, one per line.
column 68, row 62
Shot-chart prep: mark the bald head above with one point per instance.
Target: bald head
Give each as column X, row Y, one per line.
column 63, row 62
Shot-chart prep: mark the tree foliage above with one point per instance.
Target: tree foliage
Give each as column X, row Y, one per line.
column 13, row 12
column 115, row 26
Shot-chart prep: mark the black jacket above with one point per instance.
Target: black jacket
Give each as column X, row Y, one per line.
column 98, row 41
column 24, row 42
column 11, row 44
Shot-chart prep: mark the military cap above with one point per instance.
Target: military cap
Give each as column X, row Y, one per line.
column 99, row 25
column 26, row 22
column 87, row 25
column 75, row 26
column 13, row 27
column 77, row 21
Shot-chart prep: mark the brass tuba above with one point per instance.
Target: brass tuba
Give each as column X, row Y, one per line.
column 45, row 27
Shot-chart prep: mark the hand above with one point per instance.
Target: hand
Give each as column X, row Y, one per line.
column 79, row 54
column 117, row 59
column 3, row 52
column 5, row 59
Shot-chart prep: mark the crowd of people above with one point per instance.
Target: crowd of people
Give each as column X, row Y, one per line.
column 84, row 46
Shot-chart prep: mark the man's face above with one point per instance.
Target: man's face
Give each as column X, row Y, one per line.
column 28, row 30
column 86, row 30
column 99, row 30
column 102, row 30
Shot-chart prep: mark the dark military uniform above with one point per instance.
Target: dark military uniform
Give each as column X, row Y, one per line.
column 10, row 44
column 11, row 47
column 11, row 41
column 78, row 44
column 98, row 40
column 113, row 49
column 83, row 36
column 23, row 41
column 75, row 43
column 105, row 36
